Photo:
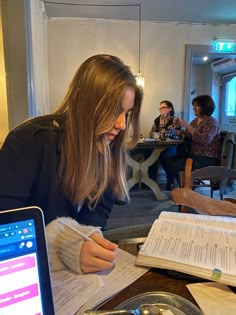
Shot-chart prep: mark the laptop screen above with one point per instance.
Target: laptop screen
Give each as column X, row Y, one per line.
column 25, row 282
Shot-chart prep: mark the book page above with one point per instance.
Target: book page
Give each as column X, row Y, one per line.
column 228, row 223
column 193, row 245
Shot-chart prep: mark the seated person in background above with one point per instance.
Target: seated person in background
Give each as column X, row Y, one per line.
column 164, row 120
column 204, row 135
column 71, row 163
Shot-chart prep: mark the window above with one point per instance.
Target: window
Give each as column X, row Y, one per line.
column 230, row 97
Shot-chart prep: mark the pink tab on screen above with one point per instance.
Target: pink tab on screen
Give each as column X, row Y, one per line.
column 19, row 295
column 15, row 265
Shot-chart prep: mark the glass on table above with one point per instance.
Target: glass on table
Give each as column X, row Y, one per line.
column 180, row 115
column 156, row 135
column 177, row 120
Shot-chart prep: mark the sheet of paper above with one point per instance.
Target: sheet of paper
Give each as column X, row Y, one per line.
column 123, row 274
column 213, row 298
column 209, row 220
column 71, row 291
column 196, row 245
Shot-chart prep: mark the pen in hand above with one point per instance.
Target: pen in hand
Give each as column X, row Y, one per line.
column 87, row 238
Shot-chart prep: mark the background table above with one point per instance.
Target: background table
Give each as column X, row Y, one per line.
column 140, row 168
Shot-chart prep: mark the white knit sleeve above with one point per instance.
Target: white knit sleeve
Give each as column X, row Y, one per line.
column 64, row 244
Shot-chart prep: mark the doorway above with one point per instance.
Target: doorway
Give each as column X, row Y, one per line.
column 201, row 79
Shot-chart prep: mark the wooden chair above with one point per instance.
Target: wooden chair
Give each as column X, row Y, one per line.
column 189, row 199
column 230, row 200
column 216, row 176
column 227, row 158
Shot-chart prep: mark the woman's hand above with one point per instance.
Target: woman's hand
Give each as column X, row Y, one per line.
column 187, row 126
column 181, row 122
column 184, row 123
column 97, row 255
column 177, row 122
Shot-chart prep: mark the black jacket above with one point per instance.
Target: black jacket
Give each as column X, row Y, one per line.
column 29, row 162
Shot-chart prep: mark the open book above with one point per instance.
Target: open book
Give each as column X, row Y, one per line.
column 199, row 245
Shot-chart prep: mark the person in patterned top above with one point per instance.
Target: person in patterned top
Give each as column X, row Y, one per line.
column 203, row 134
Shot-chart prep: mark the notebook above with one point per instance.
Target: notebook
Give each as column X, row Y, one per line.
column 25, row 286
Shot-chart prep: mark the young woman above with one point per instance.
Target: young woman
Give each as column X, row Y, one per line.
column 72, row 163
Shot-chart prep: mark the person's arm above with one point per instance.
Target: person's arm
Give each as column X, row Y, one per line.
column 205, row 133
column 188, row 127
column 67, row 248
column 177, row 126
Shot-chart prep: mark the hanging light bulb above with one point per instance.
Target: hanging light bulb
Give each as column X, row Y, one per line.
column 139, row 78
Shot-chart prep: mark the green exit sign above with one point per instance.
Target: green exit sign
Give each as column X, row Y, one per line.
column 224, row 46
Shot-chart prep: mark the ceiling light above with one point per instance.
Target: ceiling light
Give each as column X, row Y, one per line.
column 139, row 78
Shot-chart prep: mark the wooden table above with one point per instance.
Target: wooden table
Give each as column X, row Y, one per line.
column 140, row 168
column 152, row 281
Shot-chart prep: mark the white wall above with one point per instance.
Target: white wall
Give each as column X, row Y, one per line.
column 201, row 82
column 71, row 41
column 37, row 59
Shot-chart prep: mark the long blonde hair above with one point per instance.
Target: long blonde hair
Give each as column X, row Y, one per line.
column 91, row 107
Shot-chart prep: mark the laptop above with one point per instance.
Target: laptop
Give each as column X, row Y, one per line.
column 25, row 286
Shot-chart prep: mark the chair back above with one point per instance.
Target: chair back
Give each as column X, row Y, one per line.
column 228, row 148
column 216, row 175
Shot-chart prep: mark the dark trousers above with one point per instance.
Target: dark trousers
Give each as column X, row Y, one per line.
column 153, row 169
column 175, row 164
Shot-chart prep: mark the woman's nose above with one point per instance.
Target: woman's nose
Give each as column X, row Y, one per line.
column 121, row 122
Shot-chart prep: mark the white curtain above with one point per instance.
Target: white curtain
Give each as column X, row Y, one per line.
column 36, row 30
